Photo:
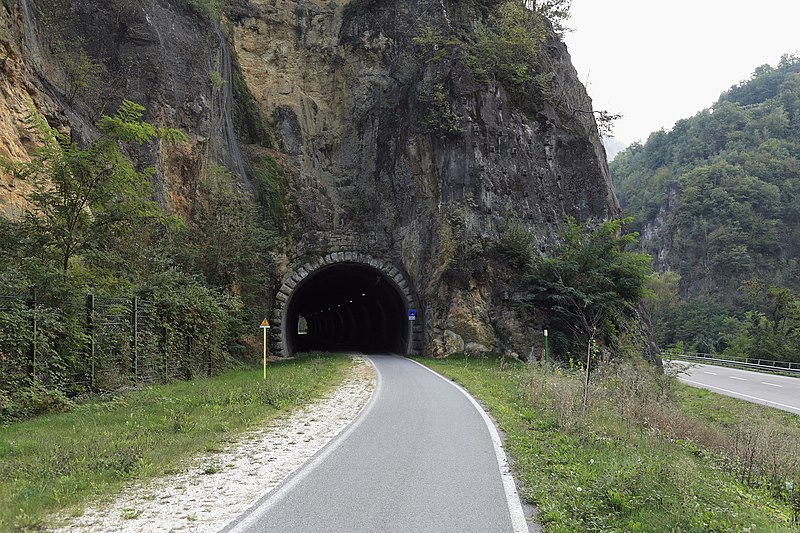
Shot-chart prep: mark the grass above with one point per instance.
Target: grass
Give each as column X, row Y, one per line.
column 61, row 461
column 650, row 454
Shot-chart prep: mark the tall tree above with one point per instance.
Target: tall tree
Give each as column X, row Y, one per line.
column 591, row 279
column 84, row 196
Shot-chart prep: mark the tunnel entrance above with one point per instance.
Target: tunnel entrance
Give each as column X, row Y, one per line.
column 346, row 306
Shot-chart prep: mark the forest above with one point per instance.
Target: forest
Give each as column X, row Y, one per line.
column 717, row 201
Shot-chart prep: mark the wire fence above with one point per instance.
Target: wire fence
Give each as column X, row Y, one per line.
column 102, row 343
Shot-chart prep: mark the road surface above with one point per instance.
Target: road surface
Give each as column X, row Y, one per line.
column 420, row 458
column 777, row 391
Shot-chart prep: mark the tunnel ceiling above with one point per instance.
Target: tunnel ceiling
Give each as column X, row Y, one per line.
column 336, row 285
column 347, row 307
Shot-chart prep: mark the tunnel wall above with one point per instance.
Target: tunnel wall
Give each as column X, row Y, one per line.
column 296, row 276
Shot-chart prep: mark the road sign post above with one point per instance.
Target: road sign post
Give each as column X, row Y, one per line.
column 264, row 327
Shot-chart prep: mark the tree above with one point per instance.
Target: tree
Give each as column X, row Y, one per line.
column 557, row 11
column 591, row 279
column 84, row 196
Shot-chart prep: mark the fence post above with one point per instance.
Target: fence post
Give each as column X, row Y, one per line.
column 90, row 327
column 165, row 349
column 135, row 324
column 32, row 304
column 189, row 350
column 210, row 349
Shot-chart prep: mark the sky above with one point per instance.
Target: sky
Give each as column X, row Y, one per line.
column 656, row 62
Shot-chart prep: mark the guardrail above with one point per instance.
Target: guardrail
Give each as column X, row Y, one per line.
column 747, row 362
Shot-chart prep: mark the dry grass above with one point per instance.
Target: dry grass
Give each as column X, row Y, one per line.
column 650, row 454
column 759, row 447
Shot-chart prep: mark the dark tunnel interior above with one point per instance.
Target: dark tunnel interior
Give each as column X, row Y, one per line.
column 346, row 307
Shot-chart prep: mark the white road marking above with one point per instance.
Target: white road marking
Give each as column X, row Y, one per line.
column 771, row 384
column 740, row 395
column 518, row 521
column 740, row 379
column 256, row 513
column 710, row 373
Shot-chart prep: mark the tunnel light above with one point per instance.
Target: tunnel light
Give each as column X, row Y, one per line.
column 363, row 294
column 351, row 301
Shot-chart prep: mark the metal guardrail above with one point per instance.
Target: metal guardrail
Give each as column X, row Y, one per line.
column 747, row 362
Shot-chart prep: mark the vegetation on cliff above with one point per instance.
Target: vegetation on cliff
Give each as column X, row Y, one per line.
column 717, row 199
column 503, row 48
column 585, row 288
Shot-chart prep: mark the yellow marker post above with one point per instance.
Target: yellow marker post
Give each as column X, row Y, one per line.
column 265, row 327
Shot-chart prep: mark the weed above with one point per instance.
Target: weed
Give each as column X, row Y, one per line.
column 130, row 513
column 211, row 469
column 645, row 457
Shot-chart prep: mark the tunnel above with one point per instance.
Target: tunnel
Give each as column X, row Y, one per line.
column 346, row 307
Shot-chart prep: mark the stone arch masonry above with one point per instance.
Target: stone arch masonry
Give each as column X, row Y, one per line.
column 297, row 275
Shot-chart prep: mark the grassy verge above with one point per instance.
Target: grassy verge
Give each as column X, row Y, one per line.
column 58, row 461
column 650, row 454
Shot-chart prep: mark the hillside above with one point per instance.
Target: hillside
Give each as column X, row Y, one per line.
column 717, row 200
column 175, row 171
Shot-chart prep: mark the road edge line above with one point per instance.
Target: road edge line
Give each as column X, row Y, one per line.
column 518, row 521
column 741, row 395
column 256, row 511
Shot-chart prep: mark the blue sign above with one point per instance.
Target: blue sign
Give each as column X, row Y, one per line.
column 412, row 314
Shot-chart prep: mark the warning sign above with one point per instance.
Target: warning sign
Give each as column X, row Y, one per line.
column 265, row 324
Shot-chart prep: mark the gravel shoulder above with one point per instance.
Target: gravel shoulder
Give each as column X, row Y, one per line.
column 224, row 485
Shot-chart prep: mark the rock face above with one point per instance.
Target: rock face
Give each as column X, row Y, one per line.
column 341, row 90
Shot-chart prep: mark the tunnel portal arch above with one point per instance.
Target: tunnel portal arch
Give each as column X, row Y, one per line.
column 347, row 301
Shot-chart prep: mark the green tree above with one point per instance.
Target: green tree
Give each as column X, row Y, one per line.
column 85, row 196
column 592, row 280
column 81, row 72
column 505, row 48
column 557, row 11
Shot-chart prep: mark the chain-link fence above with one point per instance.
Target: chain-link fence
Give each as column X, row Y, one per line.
column 115, row 342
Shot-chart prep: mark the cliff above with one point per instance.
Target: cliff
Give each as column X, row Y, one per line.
column 395, row 153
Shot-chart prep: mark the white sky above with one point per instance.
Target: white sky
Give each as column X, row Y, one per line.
column 657, row 61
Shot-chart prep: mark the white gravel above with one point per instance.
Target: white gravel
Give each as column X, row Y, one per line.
column 226, row 484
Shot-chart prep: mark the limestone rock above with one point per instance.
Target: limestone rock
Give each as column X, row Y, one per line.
column 474, row 349
column 338, row 87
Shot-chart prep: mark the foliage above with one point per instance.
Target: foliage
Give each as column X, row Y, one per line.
column 86, row 196
column 461, row 259
column 516, row 244
column 95, row 229
column 208, row 8
column 591, row 281
column 81, row 72
column 441, row 118
column 720, row 195
column 52, row 463
column 649, row 455
column 556, row 11
column 224, row 231
column 503, row 48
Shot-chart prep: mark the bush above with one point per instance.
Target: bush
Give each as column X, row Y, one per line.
column 516, row 244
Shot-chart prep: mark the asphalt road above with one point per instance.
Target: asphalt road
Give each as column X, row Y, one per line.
column 781, row 392
column 420, row 458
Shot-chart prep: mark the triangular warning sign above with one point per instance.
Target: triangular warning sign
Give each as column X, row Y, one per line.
column 265, row 323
